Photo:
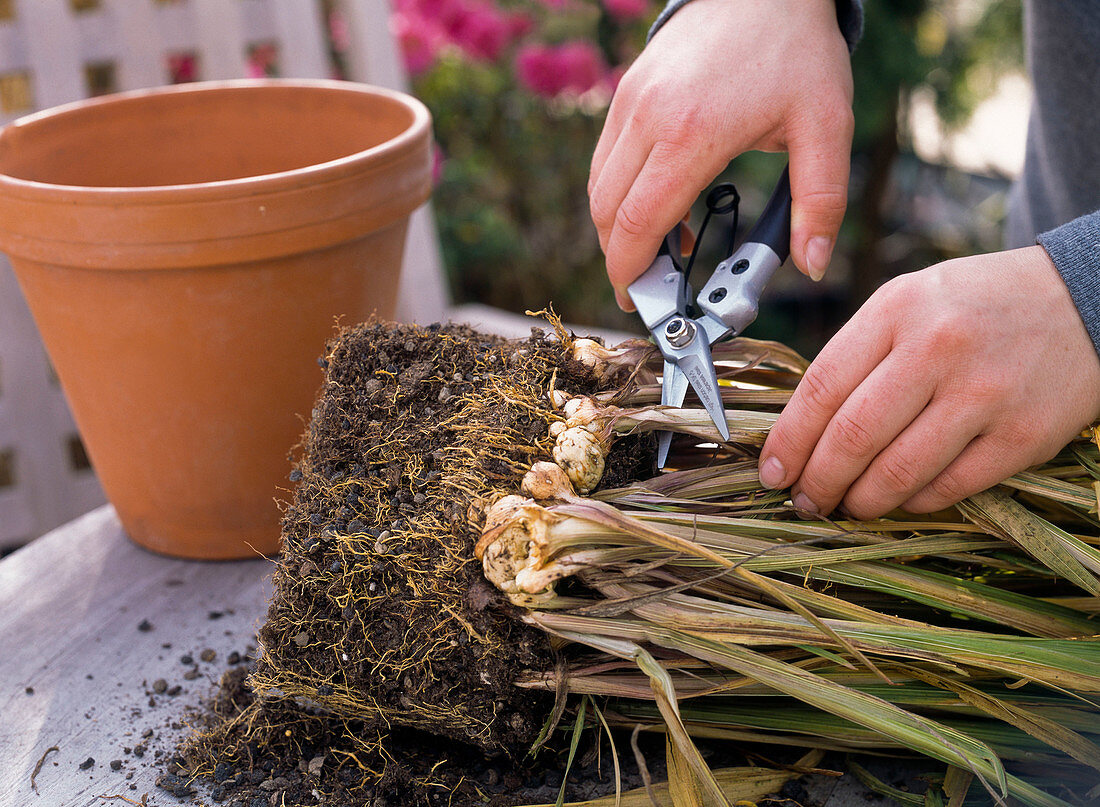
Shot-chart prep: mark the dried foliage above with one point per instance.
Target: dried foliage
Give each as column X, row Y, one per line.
column 694, row 603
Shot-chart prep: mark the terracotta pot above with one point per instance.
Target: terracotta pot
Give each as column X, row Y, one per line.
column 186, row 252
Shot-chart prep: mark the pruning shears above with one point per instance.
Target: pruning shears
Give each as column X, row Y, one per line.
column 685, row 329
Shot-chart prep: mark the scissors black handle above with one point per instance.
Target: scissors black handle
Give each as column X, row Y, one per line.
column 773, row 228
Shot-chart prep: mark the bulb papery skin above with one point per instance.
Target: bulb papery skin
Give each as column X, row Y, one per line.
column 558, row 398
column 503, row 509
column 572, row 406
column 608, row 362
column 548, row 481
column 585, row 413
column 519, row 544
column 539, row 581
column 532, row 601
column 591, row 353
column 581, row 454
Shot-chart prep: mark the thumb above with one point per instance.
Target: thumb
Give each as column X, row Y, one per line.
column 820, row 162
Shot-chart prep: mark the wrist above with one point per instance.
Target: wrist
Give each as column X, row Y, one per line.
column 1066, row 318
column 848, row 14
column 1074, row 251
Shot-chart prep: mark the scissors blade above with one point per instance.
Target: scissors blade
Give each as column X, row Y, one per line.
column 674, row 386
column 697, row 365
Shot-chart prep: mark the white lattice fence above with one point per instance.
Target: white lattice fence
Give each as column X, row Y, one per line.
column 56, row 51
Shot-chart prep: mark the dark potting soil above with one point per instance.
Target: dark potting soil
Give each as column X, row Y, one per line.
column 423, row 769
column 388, row 663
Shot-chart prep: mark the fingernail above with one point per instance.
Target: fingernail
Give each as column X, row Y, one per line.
column 772, row 473
column 624, row 302
column 818, row 252
column 802, row 502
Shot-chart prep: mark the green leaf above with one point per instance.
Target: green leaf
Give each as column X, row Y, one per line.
column 874, row 783
column 578, row 727
column 1066, row 556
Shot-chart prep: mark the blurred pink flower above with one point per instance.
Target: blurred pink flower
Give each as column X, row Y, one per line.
column 535, row 69
column 582, row 63
column 482, row 31
column 446, row 15
column 183, row 67
column 626, row 9
column 419, row 38
column 263, row 60
column 548, row 70
column 520, row 24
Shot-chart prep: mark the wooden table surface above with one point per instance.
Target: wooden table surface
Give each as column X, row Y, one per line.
column 88, row 623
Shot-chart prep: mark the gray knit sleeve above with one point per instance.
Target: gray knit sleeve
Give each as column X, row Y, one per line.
column 1075, row 249
column 849, row 15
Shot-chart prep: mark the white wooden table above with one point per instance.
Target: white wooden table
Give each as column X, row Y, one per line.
column 88, row 623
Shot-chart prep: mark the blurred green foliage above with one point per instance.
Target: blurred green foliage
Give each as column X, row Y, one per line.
column 511, row 201
column 511, row 204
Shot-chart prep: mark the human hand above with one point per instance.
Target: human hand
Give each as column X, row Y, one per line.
column 722, row 77
column 944, row 383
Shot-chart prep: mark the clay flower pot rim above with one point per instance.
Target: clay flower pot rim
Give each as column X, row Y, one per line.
column 313, row 175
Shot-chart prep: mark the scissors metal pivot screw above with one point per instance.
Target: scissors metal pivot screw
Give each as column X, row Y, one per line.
column 684, row 330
